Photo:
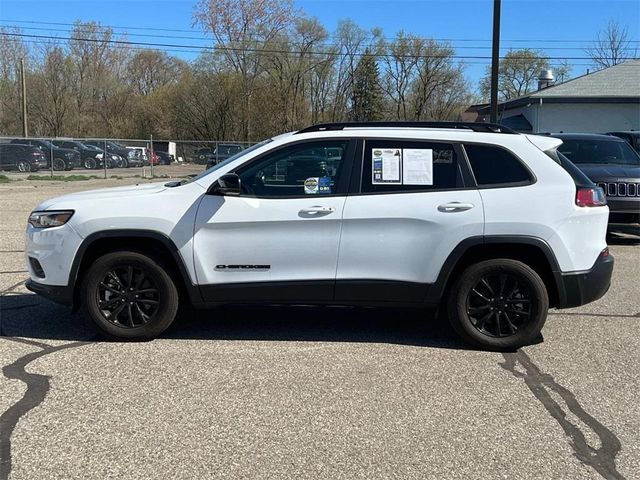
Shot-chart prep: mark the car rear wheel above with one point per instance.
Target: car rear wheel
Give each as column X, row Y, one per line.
column 59, row 164
column 498, row 304
column 129, row 296
column 23, row 166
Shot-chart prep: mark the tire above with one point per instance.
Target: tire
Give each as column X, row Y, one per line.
column 59, row 164
column 156, row 296
column 90, row 163
column 498, row 304
column 23, row 166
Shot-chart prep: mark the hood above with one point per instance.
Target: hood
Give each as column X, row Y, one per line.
column 67, row 201
column 607, row 172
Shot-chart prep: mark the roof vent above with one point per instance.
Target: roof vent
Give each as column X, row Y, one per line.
column 545, row 79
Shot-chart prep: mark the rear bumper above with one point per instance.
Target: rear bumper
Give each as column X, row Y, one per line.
column 55, row 293
column 580, row 288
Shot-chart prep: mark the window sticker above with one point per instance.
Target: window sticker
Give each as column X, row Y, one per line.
column 324, row 185
column 386, row 165
column 417, row 167
column 311, row 185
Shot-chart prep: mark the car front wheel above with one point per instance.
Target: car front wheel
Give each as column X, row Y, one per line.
column 90, row 163
column 59, row 164
column 498, row 304
column 129, row 296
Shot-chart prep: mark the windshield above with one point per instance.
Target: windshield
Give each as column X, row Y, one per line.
column 599, row 152
column 228, row 160
column 91, row 147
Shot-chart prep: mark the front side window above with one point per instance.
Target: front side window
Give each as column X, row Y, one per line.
column 307, row 169
column 406, row 166
column 495, row 166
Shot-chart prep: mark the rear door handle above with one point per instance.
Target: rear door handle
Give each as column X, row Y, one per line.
column 317, row 211
column 455, row 207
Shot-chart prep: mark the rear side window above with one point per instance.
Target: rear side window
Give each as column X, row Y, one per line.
column 495, row 166
column 406, row 166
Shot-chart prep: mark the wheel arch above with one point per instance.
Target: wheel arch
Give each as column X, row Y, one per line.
column 532, row 251
column 153, row 244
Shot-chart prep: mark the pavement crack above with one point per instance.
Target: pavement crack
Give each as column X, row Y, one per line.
column 541, row 384
column 37, row 389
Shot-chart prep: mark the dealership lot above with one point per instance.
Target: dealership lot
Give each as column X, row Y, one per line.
column 311, row 392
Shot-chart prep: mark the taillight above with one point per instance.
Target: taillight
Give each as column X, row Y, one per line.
column 590, row 197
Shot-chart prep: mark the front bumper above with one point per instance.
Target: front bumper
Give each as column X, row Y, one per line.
column 580, row 288
column 55, row 293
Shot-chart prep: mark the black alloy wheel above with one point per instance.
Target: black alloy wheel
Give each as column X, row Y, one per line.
column 498, row 304
column 23, row 166
column 90, row 163
column 129, row 296
column 59, row 164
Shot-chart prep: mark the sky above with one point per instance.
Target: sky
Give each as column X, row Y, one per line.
column 561, row 28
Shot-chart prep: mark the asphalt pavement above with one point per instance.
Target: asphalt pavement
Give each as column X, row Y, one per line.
column 335, row 393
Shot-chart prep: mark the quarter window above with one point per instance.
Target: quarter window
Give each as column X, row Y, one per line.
column 407, row 166
column 495, row 166
column 309, row 169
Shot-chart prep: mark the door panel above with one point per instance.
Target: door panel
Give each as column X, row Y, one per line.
column 404, row 237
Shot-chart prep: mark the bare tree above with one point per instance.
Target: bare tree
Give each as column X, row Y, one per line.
column 612, row 46
column 517, row 75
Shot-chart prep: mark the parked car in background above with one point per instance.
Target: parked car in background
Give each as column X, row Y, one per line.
column 631, row 136
column 613, row 165
column 23, row 158
column 202, row 156
column 164, row 158
column 63, row 158
column 89, row 157
column 127, row 157
column 112, row 159
column 222, row 152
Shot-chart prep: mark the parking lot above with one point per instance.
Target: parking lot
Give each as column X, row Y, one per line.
column 304, row 392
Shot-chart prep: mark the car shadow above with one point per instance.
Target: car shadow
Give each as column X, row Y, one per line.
column 29, row 316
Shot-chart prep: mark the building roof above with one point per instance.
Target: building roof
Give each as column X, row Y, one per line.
column 622, row 80
column 617, row 84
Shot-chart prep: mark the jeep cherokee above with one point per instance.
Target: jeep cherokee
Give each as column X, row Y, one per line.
column 481, row 221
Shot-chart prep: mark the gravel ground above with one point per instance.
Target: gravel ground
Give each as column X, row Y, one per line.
column 311, row 392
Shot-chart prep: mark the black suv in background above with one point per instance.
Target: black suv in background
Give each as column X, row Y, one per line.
column 63, row 158
column 127, row 156
column 90, row 157
column 631, row 136
column 22, row 158
column 222, row 152
column 613, row 165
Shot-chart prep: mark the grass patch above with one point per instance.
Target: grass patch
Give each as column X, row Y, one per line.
column 61, row 178
column 4, row 179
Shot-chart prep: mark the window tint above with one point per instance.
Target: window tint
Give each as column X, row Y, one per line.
column 494, row 166
column 601, row 152
column 308, row 169
column 415, row 166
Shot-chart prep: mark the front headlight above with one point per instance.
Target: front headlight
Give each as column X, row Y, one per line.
column 115, row 157
column 49, row 218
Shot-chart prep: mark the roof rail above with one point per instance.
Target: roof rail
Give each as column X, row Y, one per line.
column 474, row 126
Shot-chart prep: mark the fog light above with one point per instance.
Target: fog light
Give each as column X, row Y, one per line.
column 36, row 267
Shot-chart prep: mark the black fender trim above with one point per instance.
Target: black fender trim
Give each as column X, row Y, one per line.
column 436, row 293
column 193, row 292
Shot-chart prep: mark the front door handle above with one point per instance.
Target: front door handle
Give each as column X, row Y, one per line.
column 455, row 207
column 316, row 211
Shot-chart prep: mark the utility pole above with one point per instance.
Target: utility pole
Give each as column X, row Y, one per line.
column 25, row 132
column 495, row 59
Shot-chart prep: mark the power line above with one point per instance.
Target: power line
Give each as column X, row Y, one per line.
column 157, row 29
column 216, row 48
column 181, row 37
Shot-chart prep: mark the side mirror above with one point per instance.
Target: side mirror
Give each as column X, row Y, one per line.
column 227, row 184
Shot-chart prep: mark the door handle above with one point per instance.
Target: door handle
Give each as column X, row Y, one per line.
column 317, row 211
column 455, row 207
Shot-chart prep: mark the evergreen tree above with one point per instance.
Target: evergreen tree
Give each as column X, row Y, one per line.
column 366, row 100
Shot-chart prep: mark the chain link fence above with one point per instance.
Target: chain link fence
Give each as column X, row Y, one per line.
column 111, row 157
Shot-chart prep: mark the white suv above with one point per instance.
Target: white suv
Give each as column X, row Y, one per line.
column 486, row 223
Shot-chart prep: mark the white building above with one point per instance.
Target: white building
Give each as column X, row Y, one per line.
column 603, row 101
